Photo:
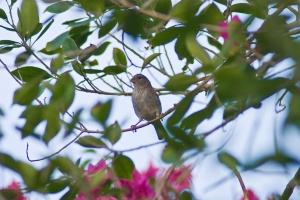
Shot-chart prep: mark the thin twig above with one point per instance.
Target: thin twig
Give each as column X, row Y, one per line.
column 57, row 152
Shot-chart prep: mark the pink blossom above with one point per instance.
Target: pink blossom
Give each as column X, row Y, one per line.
column 16, row 187
column 223, row 27
column 151, row 172
column 180, row 179
column 251, row 194
column 138, row 188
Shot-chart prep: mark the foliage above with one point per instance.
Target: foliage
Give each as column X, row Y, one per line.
column 238, row 69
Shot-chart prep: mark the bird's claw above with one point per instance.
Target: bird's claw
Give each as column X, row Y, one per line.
column 133, row 128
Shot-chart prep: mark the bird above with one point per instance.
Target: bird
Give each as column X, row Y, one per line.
column 146, row 103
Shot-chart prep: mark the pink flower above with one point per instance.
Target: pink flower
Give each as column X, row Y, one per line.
column 223, row 27
column 16, row 188
column 151, row 172
column 138, row 188
column 180, row 179
column 251, row 194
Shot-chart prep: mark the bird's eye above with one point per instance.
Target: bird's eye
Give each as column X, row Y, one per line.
column 139, row 77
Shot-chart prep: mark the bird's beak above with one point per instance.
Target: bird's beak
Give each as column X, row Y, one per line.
column 132, row 81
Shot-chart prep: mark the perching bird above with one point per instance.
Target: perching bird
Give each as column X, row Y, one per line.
column 146, row 103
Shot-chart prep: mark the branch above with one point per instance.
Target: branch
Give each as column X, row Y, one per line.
column 295, row 181
column 57, row 152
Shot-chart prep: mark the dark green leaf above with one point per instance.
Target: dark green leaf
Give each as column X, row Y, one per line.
column 82, row 23
column 69, row 48
column 149, row 59
column 29, row 73
column 90, row 142
column 182, row 51
column 101, row 111
column 123, row 167
column 163, row 6
column 186, row 9
column 29, row 17
column 51, row 115
column 196, row 118
column 224, row 2
column 27, row 93
column 2, row 14
column 165, row 36
column 180, row 82
column 56, row 186
column 37, row 29
column 131, row 22
column 8, row 42
column 28, row 173
column 22, row 58
column 228, row 160
column 59, row 7
column 113, row 133
column 182, row 108
column 6, row 28
column 33, row 116
column 186, row 195
column 87, row 53
column 71, row 125
column 101, row 49
column 92, row 71
column 119, row 57
column 112, row 70
column 78, row 68
column 242, row 8
column 57, row 42
column 44, row 30
column 106, row 28
column 80, row 34
column 63, row 92
column 197, row 50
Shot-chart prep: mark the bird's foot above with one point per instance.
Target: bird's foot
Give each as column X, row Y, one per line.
column 133, row 128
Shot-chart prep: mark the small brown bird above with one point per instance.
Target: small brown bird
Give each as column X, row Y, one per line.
column 146, row 103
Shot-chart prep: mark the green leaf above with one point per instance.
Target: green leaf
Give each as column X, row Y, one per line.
column 242, row 8
column 228, row 160
column 22, row 58
column 63, row 92
column 171, row 154
column 90, row 142
column 186, row 195
column 59, row 7
column 113, row 133
column 71, row 125
column 106, row 28
column 180, row 82
column 44, row 30
column 28, row 73
column 69, row 48
column 196, row 118
column 101, row 49
column 101, row 111
column 87, row 53
column 51, row 115
column 2, row 14
column 182, row 107
column 149, row 59
column 112, row 70
column 163, row 6
column 29, row 17
column 6, row 28
column 56, row 63
column 165, row 36
column 27, row 93
column 56, row 186
column 95, row 7
column 80, row 34
column 119, row 57
column 33, row 116
column 197, row 50
column 92, row 71
column 123, row 167
column 57, row 42
column 78, row 68
column 186, row 9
